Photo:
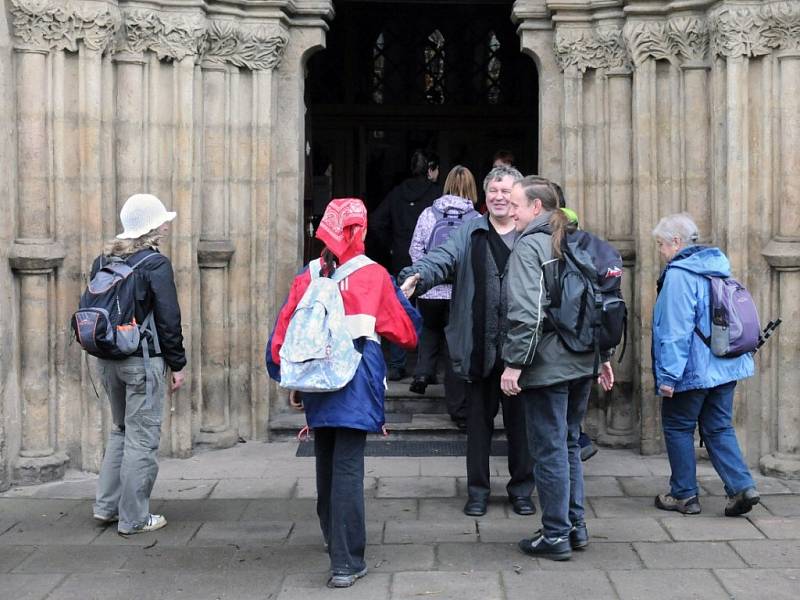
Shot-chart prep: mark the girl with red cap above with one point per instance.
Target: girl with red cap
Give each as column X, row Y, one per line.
column 374, row 307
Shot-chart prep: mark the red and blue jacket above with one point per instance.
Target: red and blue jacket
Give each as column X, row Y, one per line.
column 374, row 306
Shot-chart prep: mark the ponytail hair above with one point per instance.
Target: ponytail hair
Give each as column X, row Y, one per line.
column 329, row 263
column 544, row 190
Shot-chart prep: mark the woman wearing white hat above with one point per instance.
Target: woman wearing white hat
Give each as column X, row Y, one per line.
column 135, row 384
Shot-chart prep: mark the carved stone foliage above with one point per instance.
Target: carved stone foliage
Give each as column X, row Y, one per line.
column 754, row 30
column 676, row 40
column 59, row 25
column 171, row 37
column 252, row 49
column 595, row 49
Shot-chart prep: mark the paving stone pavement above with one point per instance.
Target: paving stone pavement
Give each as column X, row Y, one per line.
column 242, row 525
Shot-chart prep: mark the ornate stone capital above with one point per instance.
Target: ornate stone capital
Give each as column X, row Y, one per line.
column 676, row 40
column 754, row 30
column 46, row 25
column 171, row 36
column 252, row 48
column 591, row 49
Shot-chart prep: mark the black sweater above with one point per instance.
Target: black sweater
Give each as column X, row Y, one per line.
column 155, row 291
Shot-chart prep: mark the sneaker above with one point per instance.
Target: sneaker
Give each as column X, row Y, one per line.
column 742, row 503
column 579, row 536
column 102, row 519
column 346, row 581
column 552, row 548
column 153, row 523
column 686, row 506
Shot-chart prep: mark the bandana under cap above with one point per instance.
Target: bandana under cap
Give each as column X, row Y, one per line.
column 341, row 226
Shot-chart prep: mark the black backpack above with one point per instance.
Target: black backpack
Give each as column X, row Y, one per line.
column 105, row 322
column 586, row 309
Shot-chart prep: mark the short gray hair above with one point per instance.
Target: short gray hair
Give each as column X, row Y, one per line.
column 499, row 173
column 679, row 225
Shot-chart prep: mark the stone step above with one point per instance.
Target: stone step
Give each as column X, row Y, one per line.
column 400, row 400
column 430, row 426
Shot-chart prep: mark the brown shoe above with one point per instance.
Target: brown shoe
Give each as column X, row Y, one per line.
column 685, row 506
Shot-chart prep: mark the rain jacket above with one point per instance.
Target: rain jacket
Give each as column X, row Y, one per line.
column 374, row 306
column 681, row 360
column 422, row 232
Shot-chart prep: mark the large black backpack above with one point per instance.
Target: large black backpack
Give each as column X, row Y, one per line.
column 105, row 322
column 586, row 308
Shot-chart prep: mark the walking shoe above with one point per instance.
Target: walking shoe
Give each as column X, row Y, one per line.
column 741, row 503
column 588, row 451
column 153, row 522
column 686, row 506
column 346, row 581
column 418, row 385
column 475, row 507
column 552, row 548
column 579, row 536
column 105, row 520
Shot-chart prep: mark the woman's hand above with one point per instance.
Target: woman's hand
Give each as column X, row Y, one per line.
column 295, row 401
column 606, row 377
column 666, row 391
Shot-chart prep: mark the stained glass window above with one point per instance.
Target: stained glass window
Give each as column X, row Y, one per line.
column 434, row 68
column 378, row 69
column 493, row 68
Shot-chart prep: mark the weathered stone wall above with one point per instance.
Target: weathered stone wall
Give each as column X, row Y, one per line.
column 646, row 107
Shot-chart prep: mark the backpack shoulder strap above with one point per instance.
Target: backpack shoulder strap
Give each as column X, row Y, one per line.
column 351, row 266
column 140, row 261
column 314, row 267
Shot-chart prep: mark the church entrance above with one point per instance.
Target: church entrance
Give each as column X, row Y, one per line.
column 400, row 75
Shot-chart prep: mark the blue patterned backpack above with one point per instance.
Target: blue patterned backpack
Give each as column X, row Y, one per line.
column 317, row 354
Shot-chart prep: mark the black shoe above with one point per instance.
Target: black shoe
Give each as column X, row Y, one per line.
column 418, row 385
column 396, row 374
column 579, row 536
column 588, row 451
column 741, row 503
column 552, row 548
column 522, row 506
column 475, row 507
column 461, row 424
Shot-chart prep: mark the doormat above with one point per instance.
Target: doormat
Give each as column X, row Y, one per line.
column 413, row 448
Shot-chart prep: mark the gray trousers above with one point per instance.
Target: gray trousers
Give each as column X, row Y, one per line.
column 130, row 463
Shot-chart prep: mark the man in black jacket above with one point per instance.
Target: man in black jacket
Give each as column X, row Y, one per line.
column 393, row 223
column 136, row 384
column 475, row 258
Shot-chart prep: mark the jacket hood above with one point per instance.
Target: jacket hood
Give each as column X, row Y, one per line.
column 412, row 190
column 453, row 203
column 539, row 224
column 707, row 261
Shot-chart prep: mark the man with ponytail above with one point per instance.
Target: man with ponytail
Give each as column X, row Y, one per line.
column 552, row 382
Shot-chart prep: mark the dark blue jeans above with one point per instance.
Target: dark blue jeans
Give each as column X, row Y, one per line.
column 713, row 409
column 553, row 416
column 340, row 496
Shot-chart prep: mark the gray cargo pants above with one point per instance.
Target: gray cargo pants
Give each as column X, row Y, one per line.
column 130, row 463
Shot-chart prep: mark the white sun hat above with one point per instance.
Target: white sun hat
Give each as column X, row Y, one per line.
column 142, row 213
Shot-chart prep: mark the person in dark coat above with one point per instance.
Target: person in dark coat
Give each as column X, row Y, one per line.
column 393, row 223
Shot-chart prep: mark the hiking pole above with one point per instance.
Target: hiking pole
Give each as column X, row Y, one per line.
column 768, row 331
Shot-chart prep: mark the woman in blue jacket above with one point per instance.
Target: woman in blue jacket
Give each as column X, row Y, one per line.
column 696, row 386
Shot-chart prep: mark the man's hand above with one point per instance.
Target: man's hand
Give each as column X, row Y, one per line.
column 666, row 391
column 177, row 380
column 509, row 381
column 409, row 285
column 295, row 401
column 606, row 377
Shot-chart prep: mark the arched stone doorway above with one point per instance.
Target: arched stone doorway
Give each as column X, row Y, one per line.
column 395, row 76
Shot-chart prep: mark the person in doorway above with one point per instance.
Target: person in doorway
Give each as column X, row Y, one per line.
column 695, row 385
column 393, row 223
column 457, row 206
column 503, row 158
column 136, row 385
column 549, row 381
column 475, row 259
column 341, row 419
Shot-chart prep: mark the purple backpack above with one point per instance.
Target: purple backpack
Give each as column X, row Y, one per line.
column 446, row 223
column 735, row 328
